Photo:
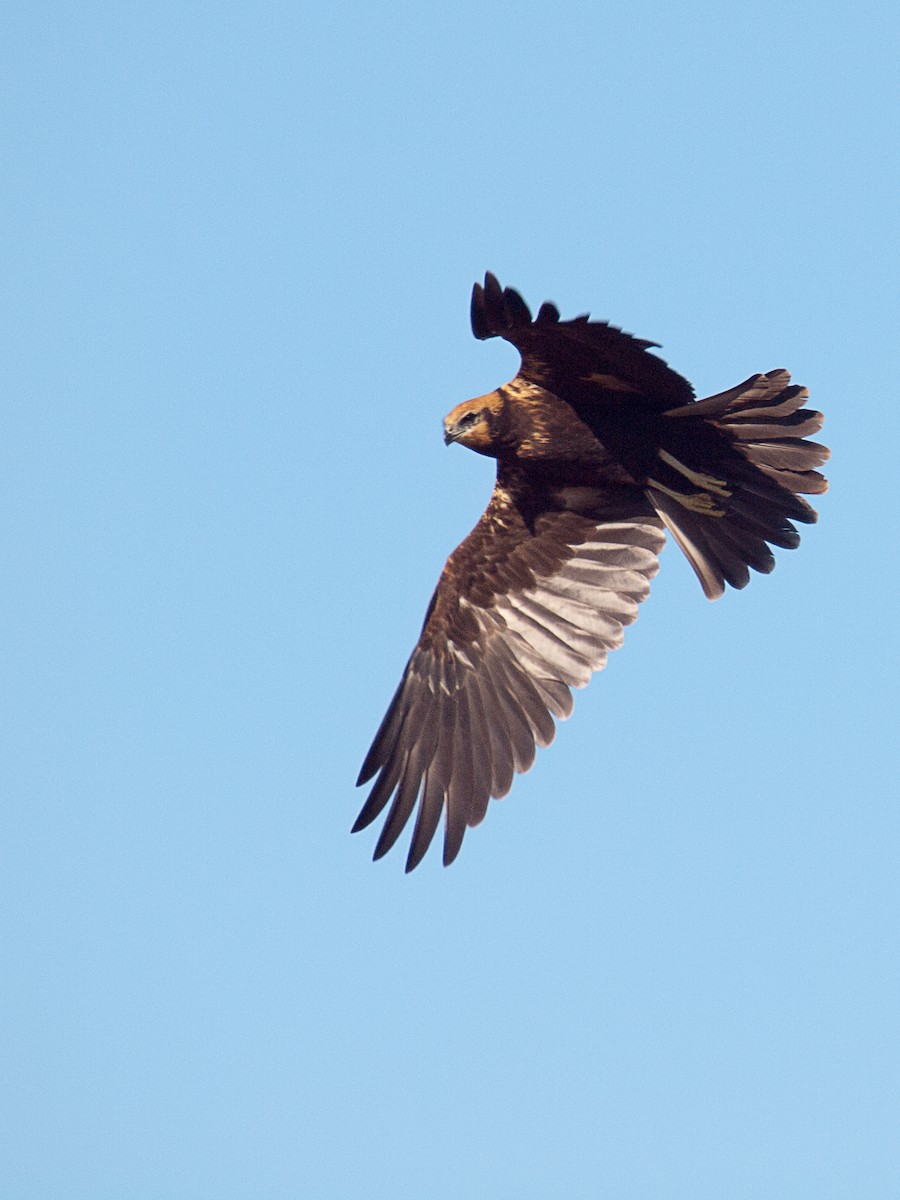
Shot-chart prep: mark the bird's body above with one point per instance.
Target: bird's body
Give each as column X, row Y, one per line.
column 599, row 447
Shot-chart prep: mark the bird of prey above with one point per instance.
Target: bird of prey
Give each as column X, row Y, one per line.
column 600, row 447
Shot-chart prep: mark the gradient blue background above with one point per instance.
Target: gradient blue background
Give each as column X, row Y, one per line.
column 239, row 243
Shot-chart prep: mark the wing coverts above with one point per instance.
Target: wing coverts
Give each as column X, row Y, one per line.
column 467, row 716
column 600, row 445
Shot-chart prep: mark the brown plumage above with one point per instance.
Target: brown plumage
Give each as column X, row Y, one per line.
column 599, row 447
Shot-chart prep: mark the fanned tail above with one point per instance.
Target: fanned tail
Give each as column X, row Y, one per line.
column 729, row 474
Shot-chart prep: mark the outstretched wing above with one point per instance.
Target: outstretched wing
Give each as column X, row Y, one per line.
column 587, row 362
column 522, row 613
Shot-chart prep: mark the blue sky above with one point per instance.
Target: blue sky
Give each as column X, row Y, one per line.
column 238, row 249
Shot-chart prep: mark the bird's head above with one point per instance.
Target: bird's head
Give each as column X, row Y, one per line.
column 474, row 423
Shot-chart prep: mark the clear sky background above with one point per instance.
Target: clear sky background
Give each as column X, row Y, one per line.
column 239, row 242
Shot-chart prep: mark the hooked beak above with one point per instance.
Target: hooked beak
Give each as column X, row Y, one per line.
column 449, row 436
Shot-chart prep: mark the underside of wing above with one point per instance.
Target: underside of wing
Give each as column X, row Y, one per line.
column 521, row 616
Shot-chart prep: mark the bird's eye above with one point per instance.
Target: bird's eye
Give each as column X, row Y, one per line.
column 469, row 420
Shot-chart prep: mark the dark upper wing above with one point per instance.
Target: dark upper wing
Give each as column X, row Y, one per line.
column 584, row 361
column 521, row 614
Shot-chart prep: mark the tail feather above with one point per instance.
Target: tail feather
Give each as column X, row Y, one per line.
column 730, row 474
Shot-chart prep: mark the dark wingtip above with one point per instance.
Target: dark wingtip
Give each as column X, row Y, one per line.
column 421, row 839
column 365, row 774
column 453, row 844
column 487, row 308
column 417, row 850
column 517, row 311
column 420, row 845
column 495, row 311
column 367, row 815
column 383, row 845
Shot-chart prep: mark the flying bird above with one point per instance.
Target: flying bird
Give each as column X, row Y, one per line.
column 600, row 448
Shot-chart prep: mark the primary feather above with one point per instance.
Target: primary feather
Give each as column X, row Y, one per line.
column 600, row 446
